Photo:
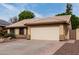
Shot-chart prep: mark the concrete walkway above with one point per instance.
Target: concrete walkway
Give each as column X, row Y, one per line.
column 30, row 47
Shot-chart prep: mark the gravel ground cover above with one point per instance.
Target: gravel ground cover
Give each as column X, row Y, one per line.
column 69, row 49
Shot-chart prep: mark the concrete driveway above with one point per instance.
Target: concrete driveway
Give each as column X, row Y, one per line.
column 30, row 47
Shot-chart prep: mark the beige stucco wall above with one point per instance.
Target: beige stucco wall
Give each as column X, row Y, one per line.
column 17, row 31
column 64, row 32
column 67, row 35
column 25, row 31
column 28, row 31
column 69, row 28
column 8, row 30
column 61, row 28
column 77, row 34
column 61, row 32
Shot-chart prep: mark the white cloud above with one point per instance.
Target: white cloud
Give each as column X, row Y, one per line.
column 9, row 7
column 12, row 10
column 28, row 8
column 37, row 14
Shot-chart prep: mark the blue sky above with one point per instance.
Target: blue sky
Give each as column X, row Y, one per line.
column 9, row 10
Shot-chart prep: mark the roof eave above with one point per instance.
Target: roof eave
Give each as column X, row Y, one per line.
column 47, row 23
column 16, row 27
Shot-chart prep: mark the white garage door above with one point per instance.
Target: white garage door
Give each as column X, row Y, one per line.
column 45, row 33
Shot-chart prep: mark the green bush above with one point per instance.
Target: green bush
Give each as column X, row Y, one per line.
column 12, row 35
column 2, row 33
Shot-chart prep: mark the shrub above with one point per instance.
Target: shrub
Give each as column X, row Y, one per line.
column 12, row 35
column 74, row 21
column 2, row 33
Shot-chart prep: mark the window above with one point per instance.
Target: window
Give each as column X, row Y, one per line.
column 12, row 30
column 21, row 31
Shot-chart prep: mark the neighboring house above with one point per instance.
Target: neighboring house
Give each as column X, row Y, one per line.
column 3, row 24
column 51, row 28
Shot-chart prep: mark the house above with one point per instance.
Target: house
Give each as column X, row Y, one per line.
column 18, row 28
column 3, row 24
column 50, row 28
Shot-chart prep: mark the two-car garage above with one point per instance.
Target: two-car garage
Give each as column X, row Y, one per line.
column 56, row 28
column 45, row 33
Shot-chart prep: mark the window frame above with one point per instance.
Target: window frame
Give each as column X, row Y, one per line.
column 12, row 30
column 21, row 31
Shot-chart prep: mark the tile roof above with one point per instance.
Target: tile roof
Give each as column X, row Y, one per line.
column 55, row 19
column 3, row 23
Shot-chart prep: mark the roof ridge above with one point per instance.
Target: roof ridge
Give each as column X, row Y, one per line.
column 54, row 19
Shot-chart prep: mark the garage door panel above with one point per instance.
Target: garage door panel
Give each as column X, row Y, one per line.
column 45, row 33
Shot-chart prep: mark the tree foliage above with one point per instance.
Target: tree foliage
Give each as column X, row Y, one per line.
column 26, row 15
column 69, row 8
column 74, row 21
column 74, row 18
column 62, row 14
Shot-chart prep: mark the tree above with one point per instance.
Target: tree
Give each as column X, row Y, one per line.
column 26, row 15
column 74, row 18
column 14, row 19
column 61, row 14
column 74, row 21
column 68, row 10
